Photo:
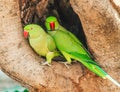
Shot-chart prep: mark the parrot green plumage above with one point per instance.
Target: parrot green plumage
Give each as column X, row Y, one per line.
column 59, row 27
column 72, row 48
column 42, row 43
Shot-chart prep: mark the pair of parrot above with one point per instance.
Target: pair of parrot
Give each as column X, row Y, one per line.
column 57, row 37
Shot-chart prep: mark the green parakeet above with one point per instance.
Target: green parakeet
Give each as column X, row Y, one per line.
column 57, row 26
column 72, row 48
column 42, row 43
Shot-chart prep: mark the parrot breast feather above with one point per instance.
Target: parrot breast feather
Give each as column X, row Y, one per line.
column 50, row 43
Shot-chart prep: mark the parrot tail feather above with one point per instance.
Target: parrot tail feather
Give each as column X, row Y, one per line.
column 114, row 81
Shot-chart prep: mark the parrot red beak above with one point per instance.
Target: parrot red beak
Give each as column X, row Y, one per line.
column 25, row 34
column 52, row 25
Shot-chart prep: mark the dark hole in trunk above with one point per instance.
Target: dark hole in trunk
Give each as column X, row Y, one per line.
column 33, row 11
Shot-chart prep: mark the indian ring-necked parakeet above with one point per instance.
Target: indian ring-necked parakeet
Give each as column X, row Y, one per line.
column 42, row 43
column 71, row 48
column 57, row 26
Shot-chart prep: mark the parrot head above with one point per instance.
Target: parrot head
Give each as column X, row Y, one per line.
column 51, row 23
column 32, row 30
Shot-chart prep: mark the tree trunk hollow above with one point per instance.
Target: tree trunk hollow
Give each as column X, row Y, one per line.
column 100, row 21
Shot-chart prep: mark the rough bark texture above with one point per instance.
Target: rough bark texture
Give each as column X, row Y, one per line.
column 101, row 24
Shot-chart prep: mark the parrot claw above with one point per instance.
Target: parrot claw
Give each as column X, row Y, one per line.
column 46, row 63
column 66, row 64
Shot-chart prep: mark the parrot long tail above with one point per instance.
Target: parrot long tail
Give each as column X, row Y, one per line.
column 114, row 81
column 92, row 65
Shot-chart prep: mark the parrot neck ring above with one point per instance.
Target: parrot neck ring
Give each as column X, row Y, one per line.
column 52, row 25
column 25, row 34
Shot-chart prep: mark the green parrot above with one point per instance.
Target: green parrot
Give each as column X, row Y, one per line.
column 42, row 43
column 57, row 26
column 72, row 48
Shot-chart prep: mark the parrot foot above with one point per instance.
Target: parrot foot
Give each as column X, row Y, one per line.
column 66, row 64
column 46, row 63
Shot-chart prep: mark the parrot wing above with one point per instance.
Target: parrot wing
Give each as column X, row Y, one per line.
column 83, row 57
column 65, row 42
column 74, row 38
column 70, row 34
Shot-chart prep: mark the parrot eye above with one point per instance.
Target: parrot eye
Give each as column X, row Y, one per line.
column 31, row 28
column 52, row 25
